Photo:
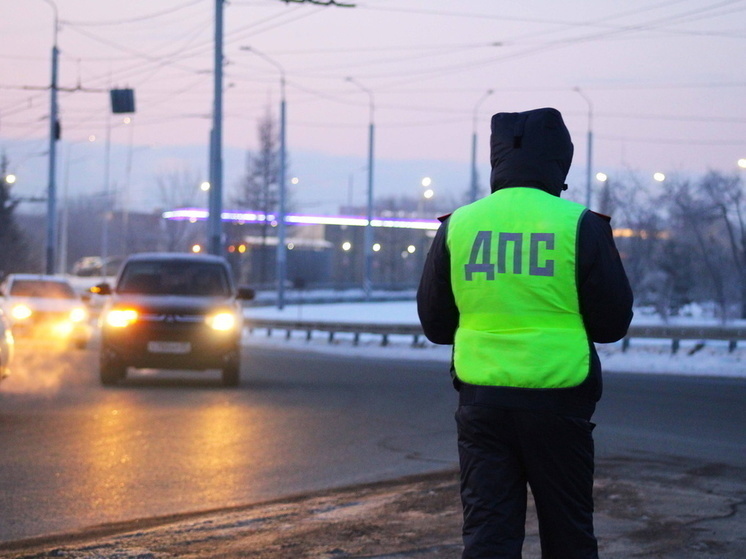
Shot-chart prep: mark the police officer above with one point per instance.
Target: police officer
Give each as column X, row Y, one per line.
column 522, row 283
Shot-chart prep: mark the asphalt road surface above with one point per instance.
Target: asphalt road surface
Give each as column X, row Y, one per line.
column 75, row 454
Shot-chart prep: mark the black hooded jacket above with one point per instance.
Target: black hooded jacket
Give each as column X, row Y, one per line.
column 533, row 150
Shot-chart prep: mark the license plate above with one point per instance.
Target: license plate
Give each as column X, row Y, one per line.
column 169, row 347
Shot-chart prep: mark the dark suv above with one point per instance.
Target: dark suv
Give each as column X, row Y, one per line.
column 172, row 311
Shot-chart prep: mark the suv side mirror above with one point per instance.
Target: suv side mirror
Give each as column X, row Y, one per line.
column 245, row 293
column 101, row 289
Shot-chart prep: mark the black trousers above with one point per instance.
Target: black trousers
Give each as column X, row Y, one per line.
column 501, row 451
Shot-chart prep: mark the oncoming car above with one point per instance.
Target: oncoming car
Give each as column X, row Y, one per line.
column 45, row 307
column 172, row 311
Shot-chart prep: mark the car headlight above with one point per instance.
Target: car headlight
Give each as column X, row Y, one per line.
column 222, row 321
column 21, row 312
column 78, row 314
column 121, row 318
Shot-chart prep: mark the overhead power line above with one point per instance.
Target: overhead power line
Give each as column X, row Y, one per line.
column 167, row 12
column 672, row 141
column 321, row 3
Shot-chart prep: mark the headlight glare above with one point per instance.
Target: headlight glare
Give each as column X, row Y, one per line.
column 222, row 321
column 121, row 318
column 21, row 312
column 78, row 314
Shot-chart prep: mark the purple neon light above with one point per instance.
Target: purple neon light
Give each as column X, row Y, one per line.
column 200, row 214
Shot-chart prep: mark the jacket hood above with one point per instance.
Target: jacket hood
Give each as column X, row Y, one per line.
column 532, row 148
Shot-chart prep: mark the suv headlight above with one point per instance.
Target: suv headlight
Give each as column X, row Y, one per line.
column 21, row 312
column 222, row 321
column 78, row 314
column 121, row 318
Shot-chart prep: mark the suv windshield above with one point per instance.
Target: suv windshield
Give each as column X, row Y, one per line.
column 42, row 288
column 174, row 278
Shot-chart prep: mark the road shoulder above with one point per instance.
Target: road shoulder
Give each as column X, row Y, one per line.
column 660, row 508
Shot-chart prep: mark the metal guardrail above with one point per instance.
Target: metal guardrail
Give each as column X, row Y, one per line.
column 731, row 334
column 333, row 328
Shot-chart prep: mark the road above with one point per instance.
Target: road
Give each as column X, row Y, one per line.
column 661, row 415
column 76, row 454
column 81, row 454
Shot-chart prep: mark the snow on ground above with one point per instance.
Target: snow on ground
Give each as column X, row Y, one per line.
column 644, row 356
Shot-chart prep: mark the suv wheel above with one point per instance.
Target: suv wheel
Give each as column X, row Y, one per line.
column 111, row 371
column 231, row 374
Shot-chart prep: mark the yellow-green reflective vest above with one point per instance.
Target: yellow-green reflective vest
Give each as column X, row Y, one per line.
column 513, row 273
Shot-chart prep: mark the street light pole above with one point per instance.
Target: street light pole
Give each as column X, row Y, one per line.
column 214, row 219
column 589, row 157
column 53, row 132
column 473, row 190
column 368, row 249
column 282, row 210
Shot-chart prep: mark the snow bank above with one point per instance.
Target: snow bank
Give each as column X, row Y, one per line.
column 644, row 356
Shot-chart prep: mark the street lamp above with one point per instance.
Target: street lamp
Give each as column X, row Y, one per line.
column 427, row 194
column 368, row 249
column 604, row 203
column 282, row 210
column 589, row 157
column 474, row 187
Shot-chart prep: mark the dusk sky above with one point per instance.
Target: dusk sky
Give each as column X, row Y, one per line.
column 665, row 81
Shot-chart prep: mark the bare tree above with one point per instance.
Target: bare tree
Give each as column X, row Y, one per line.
column 725, row 201
column 179, row 188
column 671, row 281
column 695, row 225
column 640, row 223
column 14, row 246
column 259, row 190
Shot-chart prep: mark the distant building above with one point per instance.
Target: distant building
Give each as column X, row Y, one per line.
column 322, row 251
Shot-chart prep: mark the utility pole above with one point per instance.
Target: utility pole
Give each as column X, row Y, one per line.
column 368, row 235
column 474, row 187
column 281, row 231
column 589, row 156
column 53, row 135
column 281, row 265
column 214, row 219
